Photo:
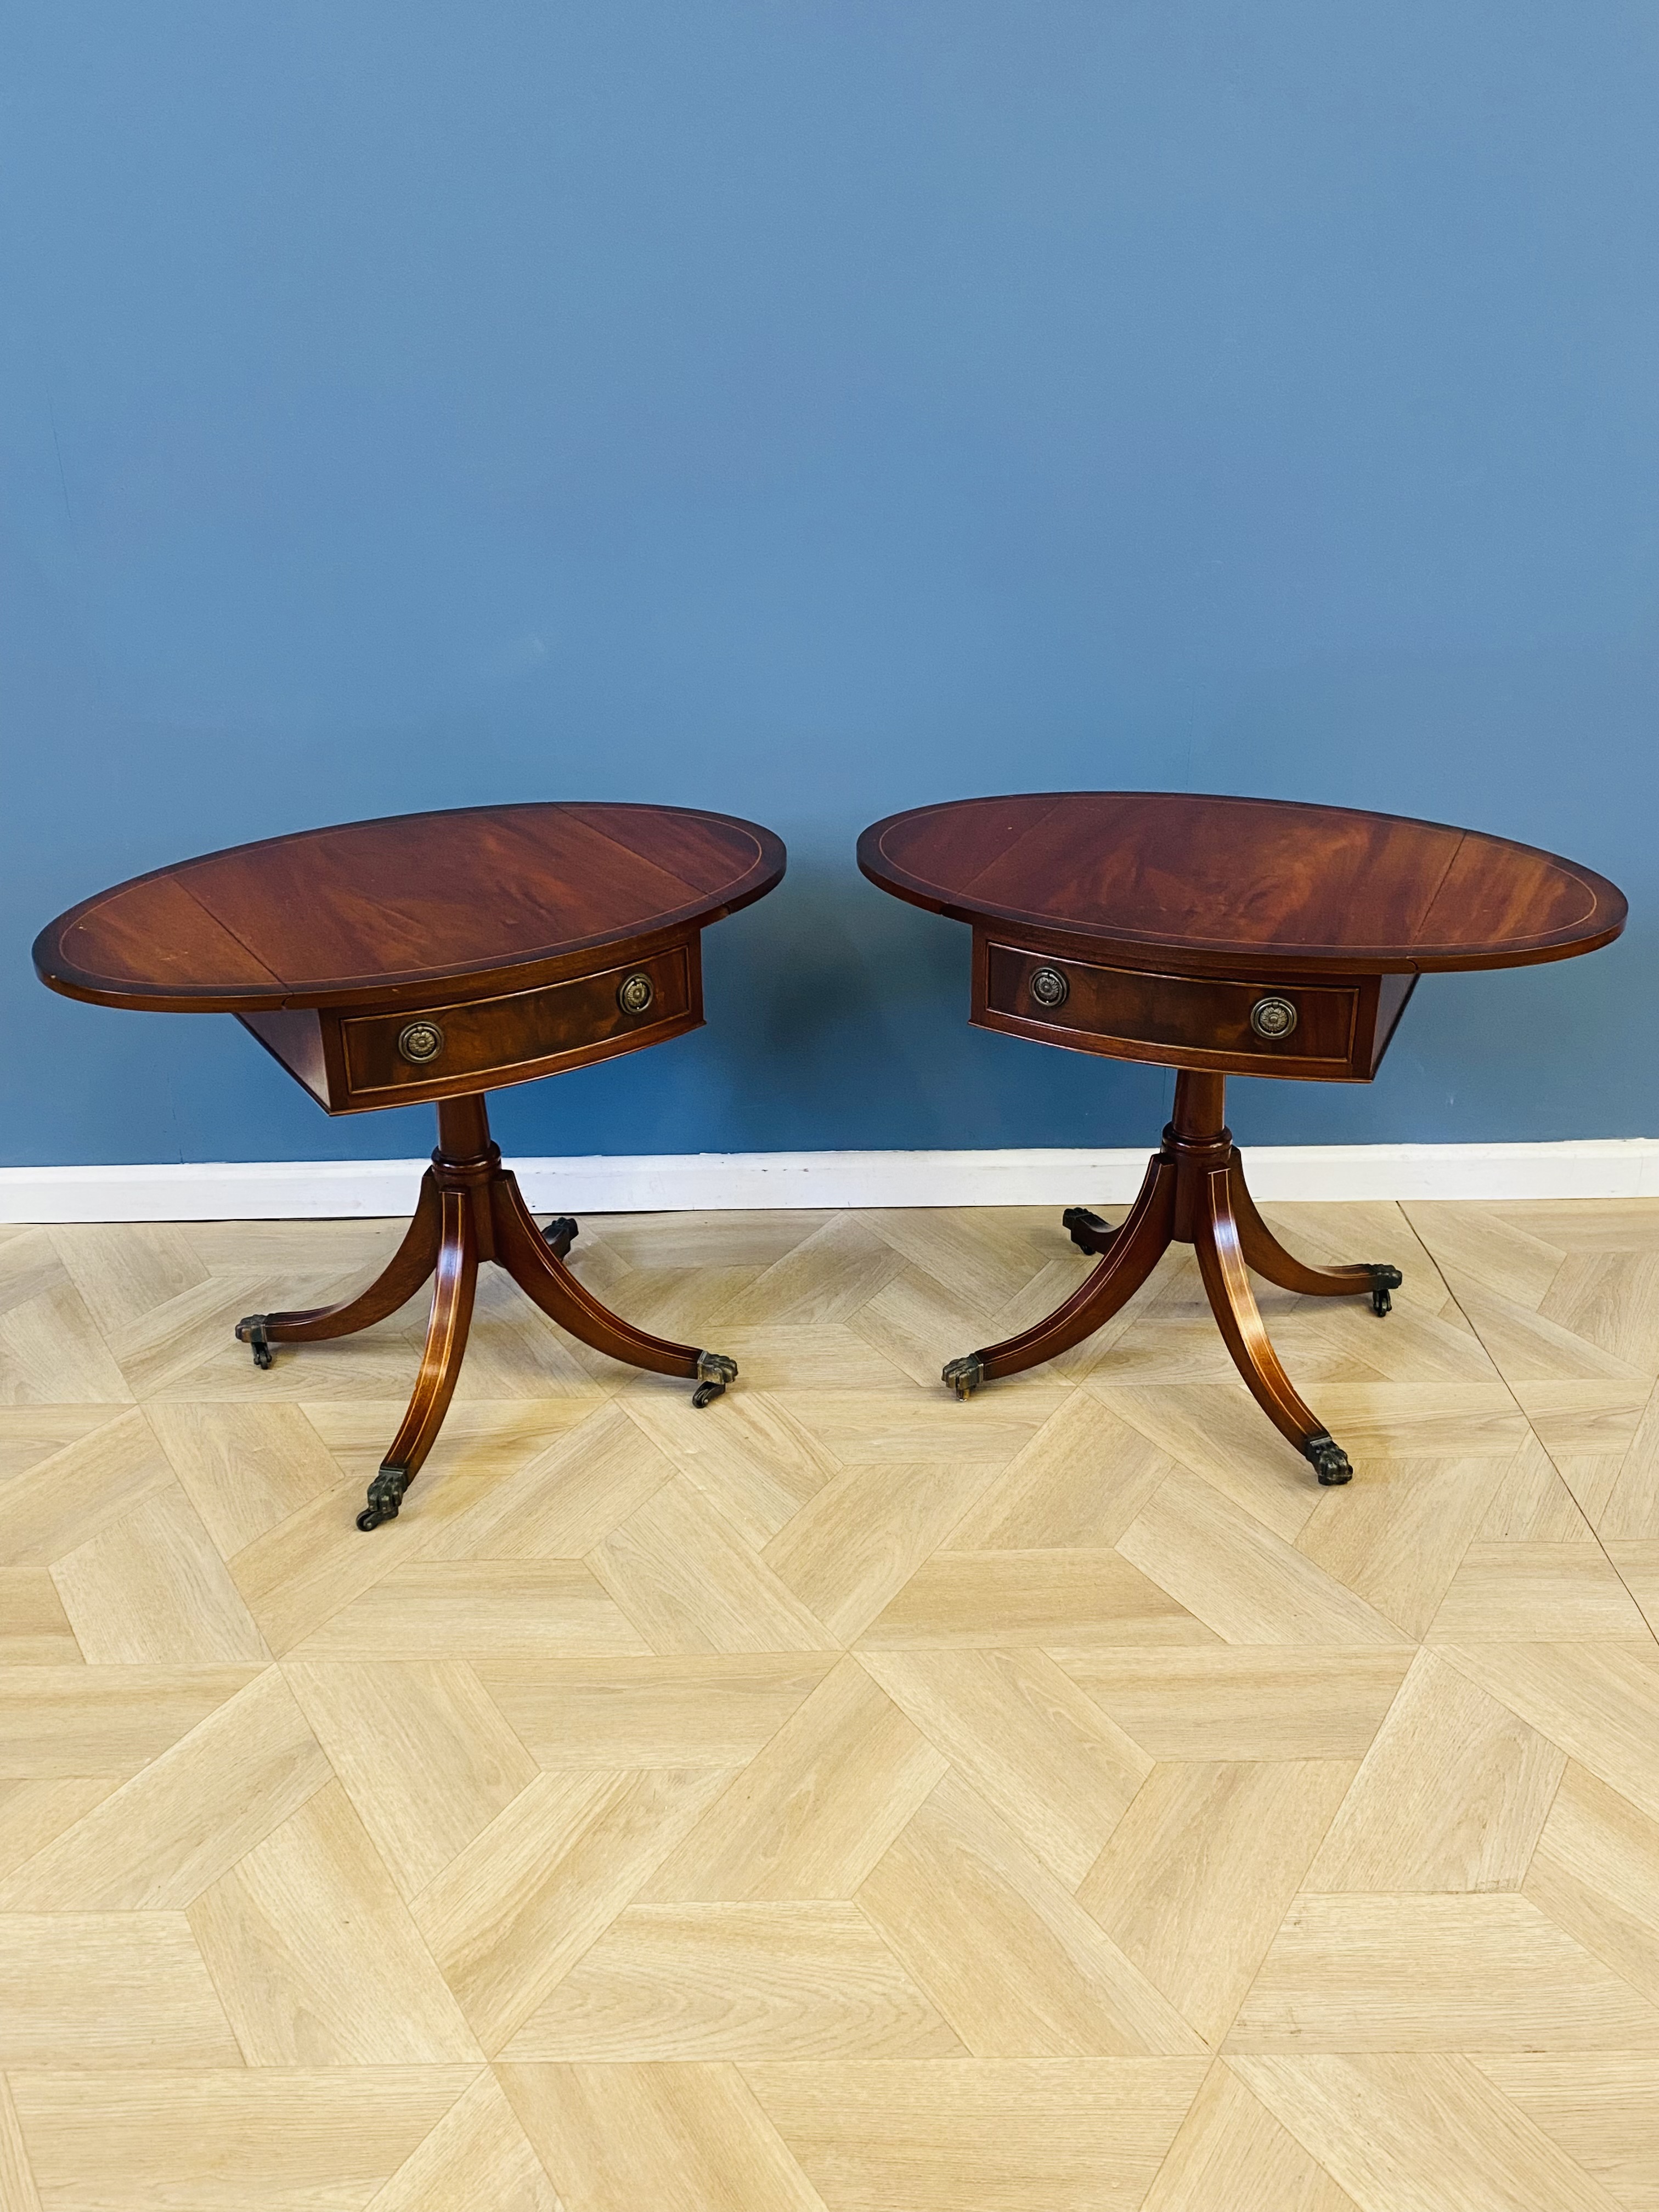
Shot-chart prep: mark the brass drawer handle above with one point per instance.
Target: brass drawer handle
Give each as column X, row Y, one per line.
column 1273, row 1018
column 1049, row 988
column 420, row 1041
column 636, row 993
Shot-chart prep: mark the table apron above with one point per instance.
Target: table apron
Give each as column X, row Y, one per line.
column 1335, row 1030
column 354, row 1062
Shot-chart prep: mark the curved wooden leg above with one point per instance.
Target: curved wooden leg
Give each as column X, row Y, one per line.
column 1227, row 1282
column 440, row 1362
column 396, row 1283
column 537, row 1268
column 1263, row 1251
column 1136, row 1249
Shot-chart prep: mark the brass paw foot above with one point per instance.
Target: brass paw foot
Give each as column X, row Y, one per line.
column 252, row 1332
column 1088, row 1231
column 559, row 1236
column 1327, row 1457
column 715, row 1371
column 385, row 1497
column 964, row 1375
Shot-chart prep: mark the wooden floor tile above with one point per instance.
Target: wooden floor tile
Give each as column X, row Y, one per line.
column 1451, row 1796
column 477, row 1608
column 566, row 1500
column 1436, row 1973
column 1595, row 1873
column 312, row 1565
column 33, row 1814
column 1232, row 2155
column 959, row 1247
column 1033, row 1744
column 1002, row 1947
column 180, row 1822
column 1421, row 2134
column 1636, row 1566
column 772, row 1981
column 1242, row 1581
column 1557, row 1593
column 1220, row 1702
column 245, row 1468
column 1599, row 2110
column 857, row 1543
column 509, row 1917
column 917, row 1322
column 73, row 1721
column 477, row 2158
column 756, row 1465
column 1481, row 1244
column 1215, row 1431
column 1079, row 1484
column 828, row 1276
column 1013, row 1598
column 34, row 1628
column 149, row 1589
column 815, row 1810
column 61, row 1500
column 425, row 1755
column 1595, row 1700
column 676, row 2138
column 1456, row 1417
column 704, row 1711
column 17, row 2190
column 315, row 1957
column 1197, row 1875
column 1632, row 1509
column 486, row 1441
column 860, row 1426
column 1410, row 1524
column 29, row 1434
column 964, row 2136
column 107, row 1989
column 1527, row 1346
column 1577, row 1415
column 1610, row 1297
column 1529, row 1499
column 268, row 2141
column 51, row 1353
column 786, row 1358
column 689, row 1583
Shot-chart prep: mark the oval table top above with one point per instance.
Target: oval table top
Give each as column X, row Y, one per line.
column 1213, row 884
column 338, row 916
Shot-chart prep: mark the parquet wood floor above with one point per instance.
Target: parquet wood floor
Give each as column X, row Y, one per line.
column 841, row 1800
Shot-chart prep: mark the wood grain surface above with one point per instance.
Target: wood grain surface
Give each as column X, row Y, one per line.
column 336, row 916
column 1219, row 883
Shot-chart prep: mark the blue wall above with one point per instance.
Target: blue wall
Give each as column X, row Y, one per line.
column 812, row 408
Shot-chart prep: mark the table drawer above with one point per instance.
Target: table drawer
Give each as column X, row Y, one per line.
column 1246, row 1026
column 430, row 1051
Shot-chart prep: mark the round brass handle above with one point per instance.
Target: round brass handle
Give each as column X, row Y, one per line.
column 1273, row 1018
column 636, row 993
column 1049, row 988
column 420, row 1041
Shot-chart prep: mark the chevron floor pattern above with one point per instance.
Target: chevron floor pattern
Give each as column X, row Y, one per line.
column 843, row 1800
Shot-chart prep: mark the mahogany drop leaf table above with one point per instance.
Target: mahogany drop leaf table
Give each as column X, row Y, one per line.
column 436, row 958
column 1219, row 937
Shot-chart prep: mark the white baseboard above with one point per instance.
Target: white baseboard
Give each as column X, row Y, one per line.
column 282, row 1190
